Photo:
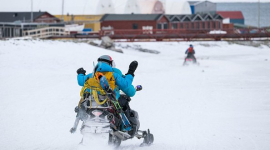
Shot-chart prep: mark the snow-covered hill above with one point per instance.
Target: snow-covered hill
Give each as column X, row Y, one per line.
column 221, row 104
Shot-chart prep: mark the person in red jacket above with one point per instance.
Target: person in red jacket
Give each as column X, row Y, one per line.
column 190, row 53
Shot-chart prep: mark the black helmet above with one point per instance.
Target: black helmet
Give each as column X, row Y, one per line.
column 106, row 58
column 190, row 45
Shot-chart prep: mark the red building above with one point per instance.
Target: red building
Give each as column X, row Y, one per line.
column 134, row 21
column 160, row 21
column 235, row 17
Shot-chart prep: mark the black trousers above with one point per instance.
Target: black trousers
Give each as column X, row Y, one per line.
column 132, row 115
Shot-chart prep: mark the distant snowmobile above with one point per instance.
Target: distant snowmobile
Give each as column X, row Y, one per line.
column 189, row 61
column 108, row 117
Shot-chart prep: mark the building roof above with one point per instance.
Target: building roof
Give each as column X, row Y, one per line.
column 130, row 17
column 192, row 2
column 202, row 2
column 19, row 16
column 198, row 16
column 231, row 14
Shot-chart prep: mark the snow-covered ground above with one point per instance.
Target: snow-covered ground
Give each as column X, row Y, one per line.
column 222, row 104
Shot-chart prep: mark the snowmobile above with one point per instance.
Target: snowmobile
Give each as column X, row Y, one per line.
column 189, row 60
column 108, row 117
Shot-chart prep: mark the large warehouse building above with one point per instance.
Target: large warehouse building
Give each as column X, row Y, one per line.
column 99, row 7
column 142, row 7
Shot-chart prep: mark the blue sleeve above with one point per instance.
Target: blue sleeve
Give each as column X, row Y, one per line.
column 186, row 51
column 117, row 71
column 81, row 78
column 125, row 84
column 193, row 51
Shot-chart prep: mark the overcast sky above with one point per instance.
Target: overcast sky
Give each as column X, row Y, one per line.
column 78, row 6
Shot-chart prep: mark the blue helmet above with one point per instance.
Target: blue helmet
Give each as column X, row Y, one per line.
column 190, row 45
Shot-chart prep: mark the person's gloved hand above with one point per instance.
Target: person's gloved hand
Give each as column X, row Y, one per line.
column 76, row 109
column 81, row 71
column 138, row 87
column 132, row 67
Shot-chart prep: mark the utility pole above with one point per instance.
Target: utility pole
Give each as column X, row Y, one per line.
column 31, row 10
column 62, row 10
column 259, row 14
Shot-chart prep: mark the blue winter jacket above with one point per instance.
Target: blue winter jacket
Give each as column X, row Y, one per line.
column 123, row 82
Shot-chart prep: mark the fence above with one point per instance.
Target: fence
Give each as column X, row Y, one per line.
column 179, row 34
column 46, row 32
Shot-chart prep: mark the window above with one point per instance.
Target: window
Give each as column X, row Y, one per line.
column 187, row 25
column 165, row 26
column 214, row 25
column 135, row 26
column 219, row 25
column 208, row 25
column 198, row 25
column 147, row 29
column 203, row 25
column 17, row 32
column 159, row 26
column 192, row 25
column 182, row 25
column 174, row 25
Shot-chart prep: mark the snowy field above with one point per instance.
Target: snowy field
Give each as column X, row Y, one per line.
column 223, row 104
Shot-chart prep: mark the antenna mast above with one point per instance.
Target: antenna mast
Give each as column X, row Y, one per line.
column 31, row 10
column 259, row 11
column 62, row 10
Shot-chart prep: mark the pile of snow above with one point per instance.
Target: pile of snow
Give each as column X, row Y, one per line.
column 217, row 32
column 221, row 104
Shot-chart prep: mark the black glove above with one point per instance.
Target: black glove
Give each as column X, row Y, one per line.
column 81, row 71
column 132, row 67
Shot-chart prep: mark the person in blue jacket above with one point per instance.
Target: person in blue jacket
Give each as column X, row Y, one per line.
column 106, row 64
column 123, row 82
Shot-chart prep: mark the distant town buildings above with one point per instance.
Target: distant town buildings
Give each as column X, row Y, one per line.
column 124, row 14
column 25, row 17
column 13, row 24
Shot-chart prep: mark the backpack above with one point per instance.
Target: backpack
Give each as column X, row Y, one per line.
column 94, row 89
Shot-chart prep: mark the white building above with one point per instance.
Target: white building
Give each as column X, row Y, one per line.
column 143, row 6
column 176, row 7
column 93, row 7
column 127, row 6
